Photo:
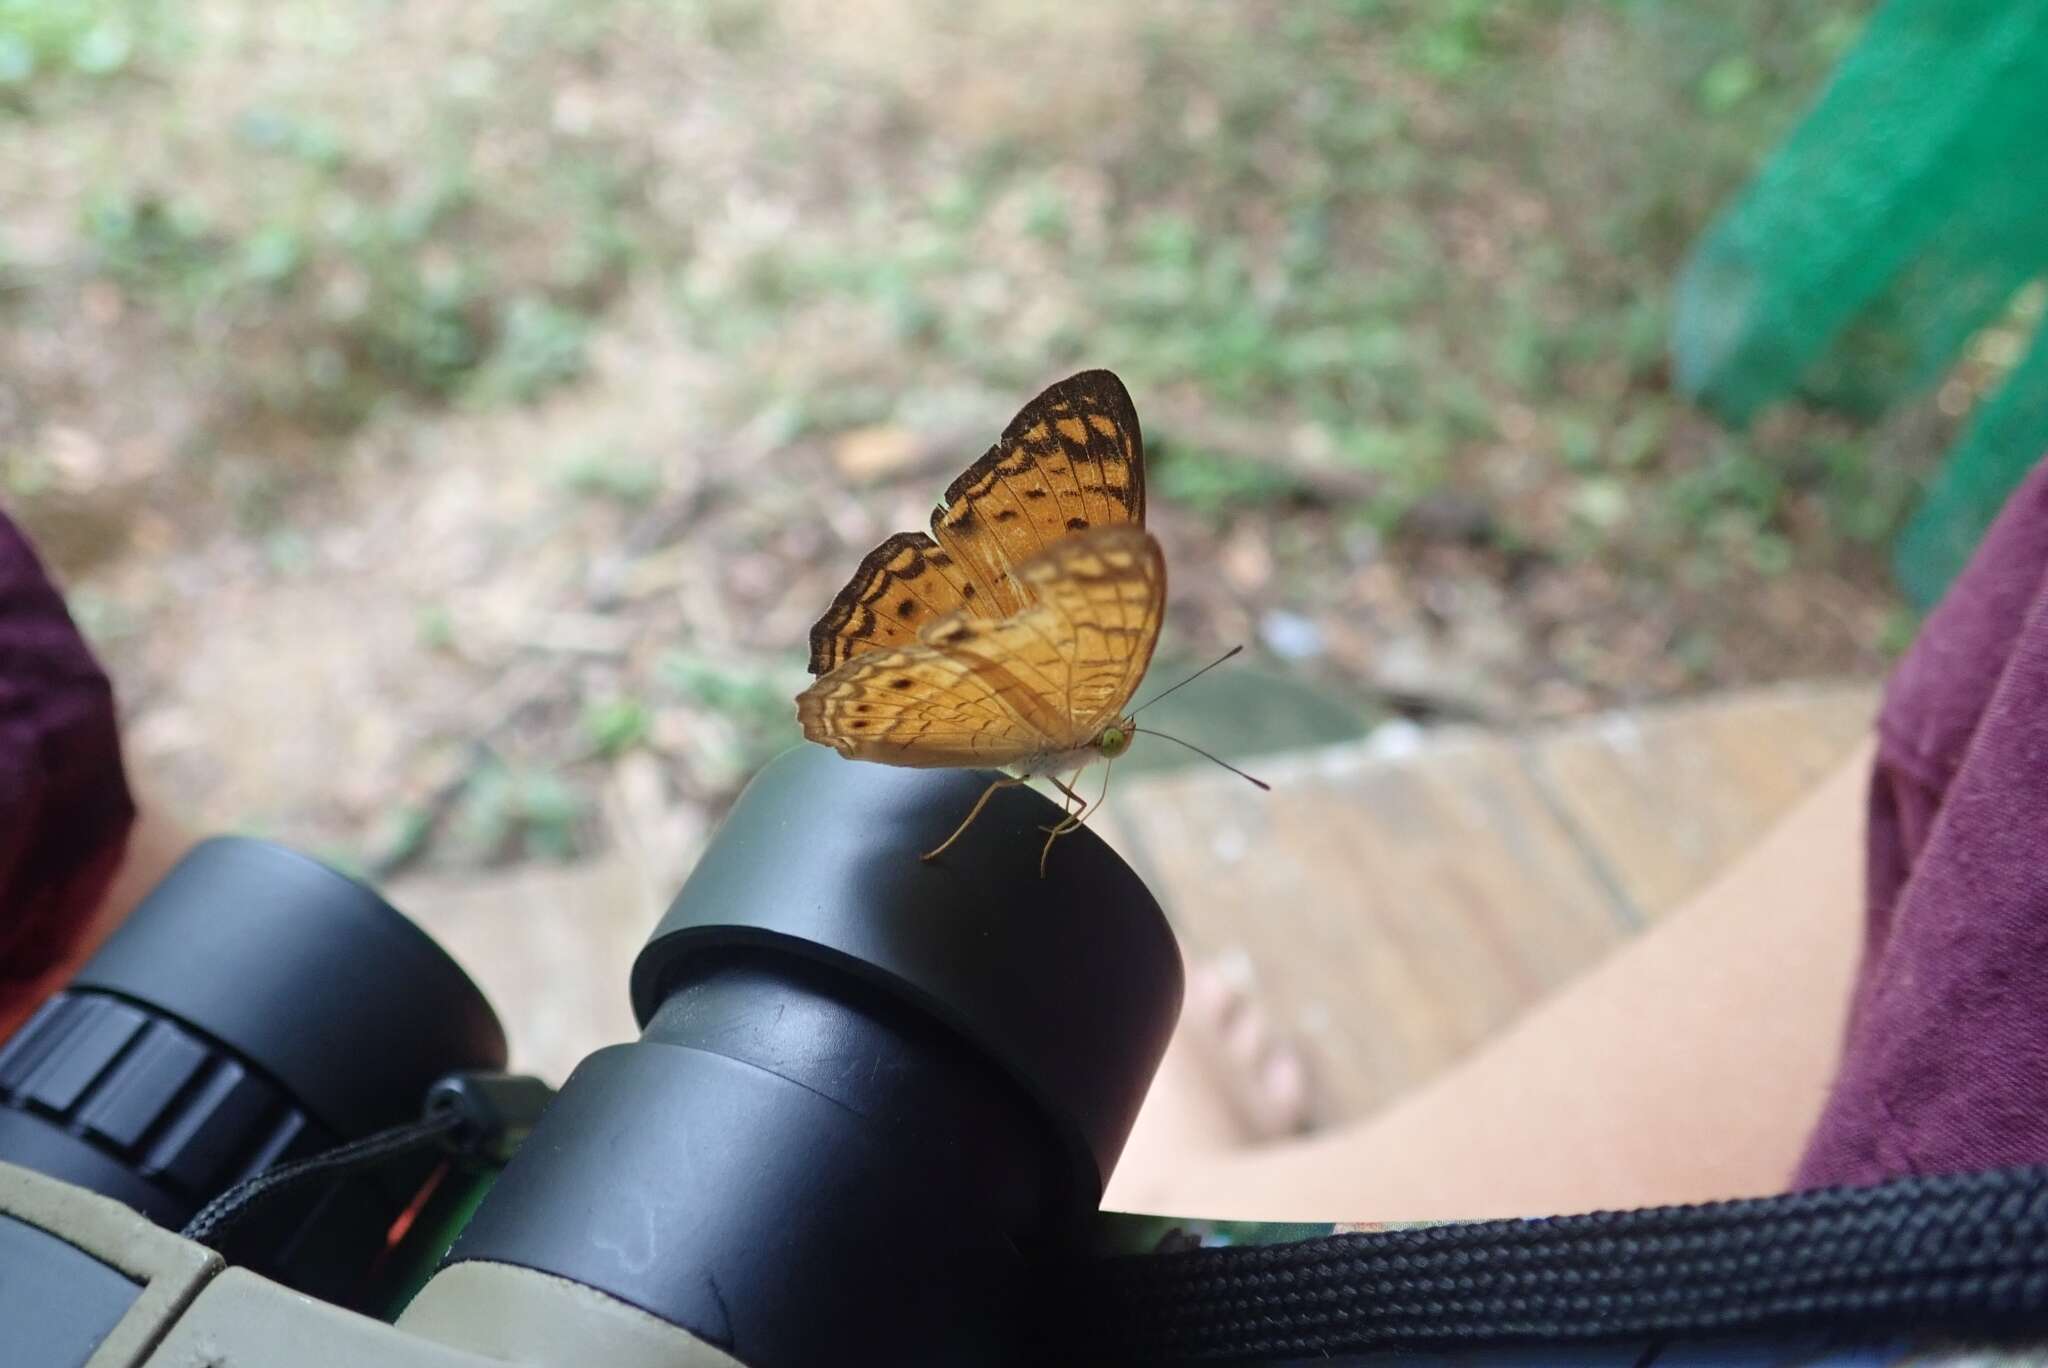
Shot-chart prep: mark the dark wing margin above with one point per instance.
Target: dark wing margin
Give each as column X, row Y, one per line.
column 1118, row 455
column 1073, row 459
column 900, row 586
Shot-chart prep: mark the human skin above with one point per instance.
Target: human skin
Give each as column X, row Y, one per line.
column 1689, row 1065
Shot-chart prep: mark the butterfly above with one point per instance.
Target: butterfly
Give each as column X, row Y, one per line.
column 1013, row 634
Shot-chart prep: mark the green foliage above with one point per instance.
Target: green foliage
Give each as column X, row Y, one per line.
column 321, row 272
column 1899, row 630
column 1214, row 482
column 752, row 707
column 102, row 619
column 42, row 40
column 1744, row 504
column 734, row 25
column 288, row 551
column 614, row 726
column 603, row 472
column 531, row 812
column 271, row 130
column 142, row 241
column 1450, row 39
column 1866, row 499
column 539, row 345
column 340, row 301
column 1410, row 463
column 435, row 627
column 400, row 835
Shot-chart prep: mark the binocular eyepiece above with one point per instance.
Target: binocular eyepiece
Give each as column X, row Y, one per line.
column 256, row 1008
column 873, row 1102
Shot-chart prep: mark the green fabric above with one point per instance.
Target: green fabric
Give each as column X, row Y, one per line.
column 1901, row 216
column 2007, row 436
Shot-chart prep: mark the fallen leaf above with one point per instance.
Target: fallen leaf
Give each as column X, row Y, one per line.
column 875, row 453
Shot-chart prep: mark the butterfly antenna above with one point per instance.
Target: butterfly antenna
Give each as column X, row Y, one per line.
column 1189, row 680
column 1204, row 754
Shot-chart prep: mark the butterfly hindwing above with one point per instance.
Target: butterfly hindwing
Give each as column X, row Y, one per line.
column 1099, row 598
column 921, row 706
column 1071, row 460
column 1043, row 681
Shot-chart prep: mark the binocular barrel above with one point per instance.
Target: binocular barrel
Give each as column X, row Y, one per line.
column 872, row 1094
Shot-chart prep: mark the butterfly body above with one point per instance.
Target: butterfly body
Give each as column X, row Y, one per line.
column 1107, row 744
column 1011, row 635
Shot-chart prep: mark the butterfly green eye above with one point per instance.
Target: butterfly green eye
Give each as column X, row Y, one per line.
column 1112, row 741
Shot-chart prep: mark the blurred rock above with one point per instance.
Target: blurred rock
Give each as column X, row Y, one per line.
column 1416, row 672
column 1291, row 636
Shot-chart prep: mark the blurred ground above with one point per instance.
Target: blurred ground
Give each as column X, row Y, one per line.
column 449, row 418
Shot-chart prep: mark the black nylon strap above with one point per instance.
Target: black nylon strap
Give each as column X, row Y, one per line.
column 214, row 1220
column 1964, row 1252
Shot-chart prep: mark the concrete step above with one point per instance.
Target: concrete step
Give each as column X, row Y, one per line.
column 1400, row 898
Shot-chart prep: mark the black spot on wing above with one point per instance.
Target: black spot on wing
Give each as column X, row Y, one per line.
column 852, row 616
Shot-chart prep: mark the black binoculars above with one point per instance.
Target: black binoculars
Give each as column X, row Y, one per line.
column 874, row 1102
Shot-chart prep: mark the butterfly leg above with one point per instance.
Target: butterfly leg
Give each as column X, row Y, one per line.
column 1069, row 817
column 1072, row 823
column 1067, row 791
column 1005, row 782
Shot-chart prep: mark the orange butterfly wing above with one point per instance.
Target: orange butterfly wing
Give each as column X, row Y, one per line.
column 1071, row 460
column 1041, row 682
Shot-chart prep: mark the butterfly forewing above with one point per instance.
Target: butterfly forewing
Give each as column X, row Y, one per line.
column 903, row 586
column 1071, row 460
